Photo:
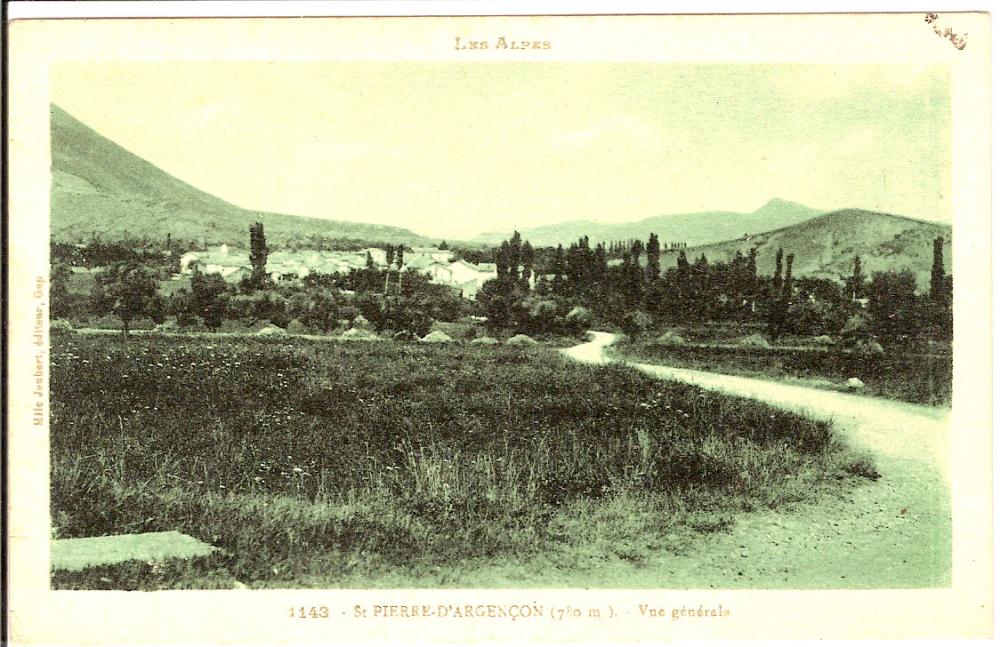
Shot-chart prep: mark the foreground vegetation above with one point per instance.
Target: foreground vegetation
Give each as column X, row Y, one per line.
column 923, row 376
column 312, row 463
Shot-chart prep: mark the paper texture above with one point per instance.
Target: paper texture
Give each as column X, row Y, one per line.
column 73, row 56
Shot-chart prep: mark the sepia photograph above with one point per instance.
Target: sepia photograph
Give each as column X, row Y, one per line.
column 445, row 323
column 626, row 382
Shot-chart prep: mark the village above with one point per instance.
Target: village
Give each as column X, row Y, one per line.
column 439, row 265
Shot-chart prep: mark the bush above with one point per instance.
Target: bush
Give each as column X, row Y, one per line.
column 670, row 338
column 755, row 340
column 636, row 323
column 60, row 324
column 296, row 327
column 869, row 347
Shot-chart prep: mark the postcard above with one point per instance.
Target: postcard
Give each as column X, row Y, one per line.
column 499, row 328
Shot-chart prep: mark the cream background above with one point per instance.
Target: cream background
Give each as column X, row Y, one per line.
column 40, row 616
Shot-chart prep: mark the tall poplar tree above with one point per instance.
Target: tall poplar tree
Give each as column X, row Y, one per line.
column 937, row 272
column 258, row 255
column 653, row 258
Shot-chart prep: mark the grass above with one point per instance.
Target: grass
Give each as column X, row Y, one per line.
column 920, row 377
column 318, row 464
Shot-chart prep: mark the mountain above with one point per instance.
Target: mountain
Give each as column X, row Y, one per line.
column 98, row 186
column 691, row 228
column 825, row 246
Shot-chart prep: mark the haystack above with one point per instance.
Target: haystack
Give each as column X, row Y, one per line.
column 521, row 340
column 358, row 334
column 436, row 337
column 271, row 329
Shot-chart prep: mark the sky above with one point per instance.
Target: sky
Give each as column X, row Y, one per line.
column 455, row 149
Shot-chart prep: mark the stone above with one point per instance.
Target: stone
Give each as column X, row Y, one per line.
column 77, row 554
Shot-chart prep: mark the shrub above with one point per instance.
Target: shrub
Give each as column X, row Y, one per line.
column 869, row 347
column 636, row 323
column 296, row 327
column 670, row 338
column 755, row 340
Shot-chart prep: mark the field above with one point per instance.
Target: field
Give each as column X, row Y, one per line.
column 311, row 463
column 911, row 376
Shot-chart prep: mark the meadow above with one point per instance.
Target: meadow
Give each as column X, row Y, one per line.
column 910, row 375
column 312, row 463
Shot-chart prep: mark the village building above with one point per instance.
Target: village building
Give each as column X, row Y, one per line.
column 436, row 264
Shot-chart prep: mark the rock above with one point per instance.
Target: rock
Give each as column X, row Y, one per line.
column 855, row 383
column 358, row 334
column 86, row 552
column 436, row 337
column 271, row 329
column 484, row 341
column 521, row 340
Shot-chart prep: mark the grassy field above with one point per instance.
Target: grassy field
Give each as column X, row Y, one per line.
column 924, row 378
column 374, row 464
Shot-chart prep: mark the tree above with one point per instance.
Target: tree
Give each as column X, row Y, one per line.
column 399, row 267
column 558, row 269
column 786, row 288
column 857, row 281
column 776, row 279
column 893, row 304
column 389, row 250
column 503, row 261
column 208, row 292
column 652, row 258
column 528, row 260
column 937, row 273
column 60, row 303
column 130, row 290
column 778, row 306
column 258, row 254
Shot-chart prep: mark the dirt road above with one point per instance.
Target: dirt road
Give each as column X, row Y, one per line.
column 895, row 532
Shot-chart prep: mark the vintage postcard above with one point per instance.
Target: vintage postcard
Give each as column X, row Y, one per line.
column 499, row 328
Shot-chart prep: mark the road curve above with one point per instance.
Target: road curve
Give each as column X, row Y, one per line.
column 893, row 532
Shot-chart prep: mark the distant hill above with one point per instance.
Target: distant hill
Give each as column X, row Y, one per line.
column 691, row 228
column 98, row 186
column 825, row 246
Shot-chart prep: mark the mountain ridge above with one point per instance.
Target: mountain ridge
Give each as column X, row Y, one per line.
column 692, row 228
column 825, row 246
column 100, row 187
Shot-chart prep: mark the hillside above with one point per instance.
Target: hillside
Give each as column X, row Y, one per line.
column 825, row 246
column 99, row 187
column 692, row 228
